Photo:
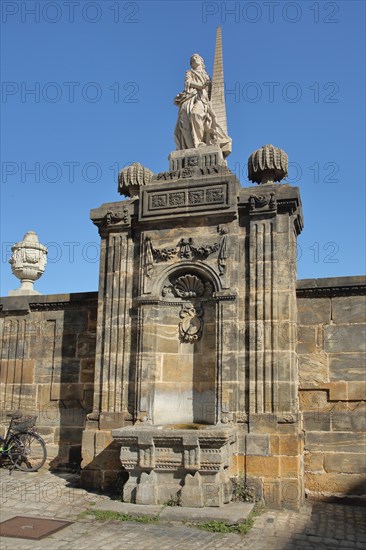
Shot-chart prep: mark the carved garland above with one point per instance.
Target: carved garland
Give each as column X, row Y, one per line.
column 185, row 249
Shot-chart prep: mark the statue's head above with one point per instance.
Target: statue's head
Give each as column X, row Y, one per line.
column 196, row 61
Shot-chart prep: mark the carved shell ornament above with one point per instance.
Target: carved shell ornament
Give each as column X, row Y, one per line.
column 189, row 286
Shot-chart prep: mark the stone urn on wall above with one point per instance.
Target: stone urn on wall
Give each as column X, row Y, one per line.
column 28, row 263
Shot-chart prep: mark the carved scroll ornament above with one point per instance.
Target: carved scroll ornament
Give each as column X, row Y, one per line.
column 191, row 324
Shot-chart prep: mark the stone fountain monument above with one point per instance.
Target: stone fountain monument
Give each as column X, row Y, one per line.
column 196, row 363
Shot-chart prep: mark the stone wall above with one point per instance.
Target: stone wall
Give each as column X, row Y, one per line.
column 332, row 391
column 47, row 366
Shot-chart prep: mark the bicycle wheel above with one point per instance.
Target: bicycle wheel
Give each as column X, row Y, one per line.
column 28, row 452
column 3, row 455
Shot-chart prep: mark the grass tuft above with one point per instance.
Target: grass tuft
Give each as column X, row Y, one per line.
column 105, row 515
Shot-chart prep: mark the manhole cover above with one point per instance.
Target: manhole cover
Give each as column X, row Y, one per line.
column 31, row 528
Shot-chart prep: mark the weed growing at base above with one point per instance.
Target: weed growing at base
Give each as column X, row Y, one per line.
column 222, row 527
column 105, row 515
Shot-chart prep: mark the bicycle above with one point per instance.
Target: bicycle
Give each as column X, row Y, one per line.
column 22, row 445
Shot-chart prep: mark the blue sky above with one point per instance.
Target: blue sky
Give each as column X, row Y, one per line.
column 104, row 75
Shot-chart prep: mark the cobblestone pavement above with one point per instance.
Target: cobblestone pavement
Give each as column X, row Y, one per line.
column 42, row 494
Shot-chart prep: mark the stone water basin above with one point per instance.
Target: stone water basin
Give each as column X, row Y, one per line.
column 185, row 427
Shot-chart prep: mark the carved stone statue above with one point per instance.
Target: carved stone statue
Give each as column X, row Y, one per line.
column 197, row 122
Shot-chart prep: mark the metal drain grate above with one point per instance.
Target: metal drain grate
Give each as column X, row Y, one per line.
column 31, row 528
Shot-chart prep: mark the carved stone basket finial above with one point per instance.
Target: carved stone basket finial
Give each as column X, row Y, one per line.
column 267, row 165
column 132, row 177
column 28, row 263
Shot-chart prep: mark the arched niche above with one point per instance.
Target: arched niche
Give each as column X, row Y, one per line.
column 184, row 327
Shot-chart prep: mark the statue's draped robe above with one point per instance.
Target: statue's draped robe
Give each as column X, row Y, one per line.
column 197, row 123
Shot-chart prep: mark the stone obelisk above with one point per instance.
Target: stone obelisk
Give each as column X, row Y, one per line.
column 218, row 85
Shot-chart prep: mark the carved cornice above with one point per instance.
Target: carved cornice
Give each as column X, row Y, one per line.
column 331, row 292
column 216, row 297
column 49, row 306
column 113, row 217
column 53, row 306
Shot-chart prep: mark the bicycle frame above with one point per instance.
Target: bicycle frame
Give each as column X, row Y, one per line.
column 4, row 441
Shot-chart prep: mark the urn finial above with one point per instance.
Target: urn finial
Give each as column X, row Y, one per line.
column 267, row 165
column 28, row 263
column 132, row 177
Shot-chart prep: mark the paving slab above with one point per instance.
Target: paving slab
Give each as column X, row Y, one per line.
column 316, row 526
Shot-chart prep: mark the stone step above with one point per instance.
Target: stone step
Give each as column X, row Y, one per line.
column 235, row 512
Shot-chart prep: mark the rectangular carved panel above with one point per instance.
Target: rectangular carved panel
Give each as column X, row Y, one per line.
column 167, row 200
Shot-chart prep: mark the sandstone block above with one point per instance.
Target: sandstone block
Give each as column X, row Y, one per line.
column 317, row 421
column 347, row 366
column 91, row 479
column 110, row 420
column 349, row 309
column 263, row 466
column 257, row 444
column 146, row 491
column 335, row 484
column 290, row 466
column 86, row 345
column 274, row 445
column 312, row 399
column 352, row 421
column 357, row 391
column 109, row 479
column 290, row 445
column 192, row 491
column 238, row 464
column 313, row 368
column 344, row 338
column 338, row 391
column 67, row 392
column 292, row 493
column 88, row 446
column 69, row 345
column 69, row 370
column 167, row 340
column 17, row 371
column 307, row 339
column 313, row 312
column 272, row 493
column 103, row 439
column 313, row 462
column 335, row 442
column 345, row 463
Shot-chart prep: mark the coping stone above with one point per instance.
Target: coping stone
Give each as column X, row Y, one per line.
column 234, row 512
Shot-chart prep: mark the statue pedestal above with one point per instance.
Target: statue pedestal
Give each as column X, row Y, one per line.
column 200, row 157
